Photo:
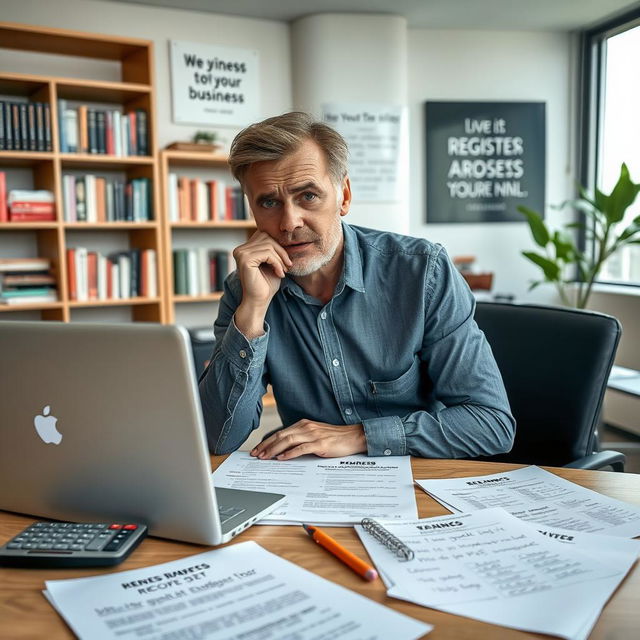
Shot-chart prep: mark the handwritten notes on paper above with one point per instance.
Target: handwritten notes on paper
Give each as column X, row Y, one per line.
column 493, row 567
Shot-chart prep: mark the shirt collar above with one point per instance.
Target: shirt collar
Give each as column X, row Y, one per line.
column 351, row 268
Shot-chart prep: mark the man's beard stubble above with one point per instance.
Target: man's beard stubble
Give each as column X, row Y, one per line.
column 310, row 265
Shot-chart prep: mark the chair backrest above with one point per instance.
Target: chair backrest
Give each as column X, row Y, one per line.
column 555, row 363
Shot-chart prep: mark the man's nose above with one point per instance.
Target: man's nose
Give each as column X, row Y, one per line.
column 291, row 217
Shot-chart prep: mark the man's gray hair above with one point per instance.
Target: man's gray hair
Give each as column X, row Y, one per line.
column 274, row 138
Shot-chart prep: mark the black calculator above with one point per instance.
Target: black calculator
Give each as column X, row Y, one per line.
column 68, row 544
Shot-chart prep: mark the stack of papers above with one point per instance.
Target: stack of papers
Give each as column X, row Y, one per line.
column 490, row 566
column 327, row 491
column 235, row 593
column 535, row 495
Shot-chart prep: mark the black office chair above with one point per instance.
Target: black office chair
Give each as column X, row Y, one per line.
column 555, row 363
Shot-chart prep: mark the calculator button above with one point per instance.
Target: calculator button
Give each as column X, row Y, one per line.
column 115, row 544
column 14, row 545
column 130, row 527
column 98, row 542
column 61, row 547
column 115, row 526
column 77, row 547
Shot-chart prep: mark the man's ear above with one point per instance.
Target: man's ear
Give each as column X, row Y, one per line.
column 346, row 196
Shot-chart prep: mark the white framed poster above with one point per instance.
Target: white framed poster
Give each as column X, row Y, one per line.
column 213, row 85
column 376, row 135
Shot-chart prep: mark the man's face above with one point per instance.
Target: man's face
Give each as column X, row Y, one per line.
column 295, row 201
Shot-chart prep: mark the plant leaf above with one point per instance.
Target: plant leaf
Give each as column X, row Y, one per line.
column 621, row 197
column 600, row 200
column 550, row 269
column 629, row 232
column 564, row 247
column 538, row 228
column 533, row 285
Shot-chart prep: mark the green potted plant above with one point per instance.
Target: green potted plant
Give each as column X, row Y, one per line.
column 205, row 137
column 570, row 269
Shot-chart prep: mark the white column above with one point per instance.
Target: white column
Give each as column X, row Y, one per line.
column 354, row 58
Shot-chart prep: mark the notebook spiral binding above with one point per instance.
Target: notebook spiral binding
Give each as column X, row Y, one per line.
column 395, row 545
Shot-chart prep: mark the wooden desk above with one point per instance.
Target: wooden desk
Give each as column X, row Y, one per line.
column 24, row 612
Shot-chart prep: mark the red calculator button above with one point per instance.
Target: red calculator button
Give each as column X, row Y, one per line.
column 130, row 527
column 115, row 526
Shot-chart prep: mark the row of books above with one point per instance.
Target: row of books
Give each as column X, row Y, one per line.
column 125, row 274
column 105, row 131
column 26, row 281
column 198, row 272
column 90, row 198
column 25, row 126
column 25, row 205
column 195, row 200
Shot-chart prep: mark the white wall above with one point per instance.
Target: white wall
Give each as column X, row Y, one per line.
column 493, row 65
column 376, row 73
column 269, row 38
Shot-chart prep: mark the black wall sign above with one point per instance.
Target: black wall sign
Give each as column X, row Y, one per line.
column 484, row 159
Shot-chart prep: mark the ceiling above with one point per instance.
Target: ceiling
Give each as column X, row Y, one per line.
column 546, row 15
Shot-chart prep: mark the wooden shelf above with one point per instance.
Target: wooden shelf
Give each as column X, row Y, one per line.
column 27, row 226
column 98, row 91
column 102, row 161
column 120, row 302
column 23, row 85
column 214, row 224
column 134, row 89
column 25, row 158
column 115, row 226
column 211, row 297
column 30, row 307
column 26, row 37
column 195, row 158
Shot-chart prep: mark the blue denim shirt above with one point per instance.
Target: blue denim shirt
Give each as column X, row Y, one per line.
column 396, row 349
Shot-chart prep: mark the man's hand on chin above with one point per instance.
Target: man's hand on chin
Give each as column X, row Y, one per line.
column 311, row 437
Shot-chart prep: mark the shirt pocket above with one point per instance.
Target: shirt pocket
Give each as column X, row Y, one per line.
column 399, row 396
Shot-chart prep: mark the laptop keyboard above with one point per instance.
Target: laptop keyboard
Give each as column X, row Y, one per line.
column 228, row 512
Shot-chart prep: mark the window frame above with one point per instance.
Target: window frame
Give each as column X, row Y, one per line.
column 592, row 71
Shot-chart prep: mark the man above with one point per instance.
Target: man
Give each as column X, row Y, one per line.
column 367, row 337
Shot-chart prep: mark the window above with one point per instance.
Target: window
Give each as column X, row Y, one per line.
column 612, row 131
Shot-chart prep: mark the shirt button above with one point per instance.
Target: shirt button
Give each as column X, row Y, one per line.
column 348, row 412
column 336, row 362
column 242, row 353
column 323, row 315
column 387, row 452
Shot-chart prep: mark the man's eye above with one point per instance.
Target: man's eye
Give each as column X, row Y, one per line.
column 309, row 197
column 269, row 203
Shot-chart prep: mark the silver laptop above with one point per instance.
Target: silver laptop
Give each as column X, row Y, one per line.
column 103, row 423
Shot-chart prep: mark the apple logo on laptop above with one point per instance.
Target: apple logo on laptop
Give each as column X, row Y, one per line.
column 46, row 427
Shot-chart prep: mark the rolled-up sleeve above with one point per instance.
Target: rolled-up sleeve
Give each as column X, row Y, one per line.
column 232, row 386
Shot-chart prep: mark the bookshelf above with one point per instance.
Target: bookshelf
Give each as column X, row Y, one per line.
column 45, row 169
column 212, row 233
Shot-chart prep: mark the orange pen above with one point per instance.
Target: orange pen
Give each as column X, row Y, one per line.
column 363, row 569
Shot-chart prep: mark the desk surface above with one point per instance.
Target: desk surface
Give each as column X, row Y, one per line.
column 24, row 612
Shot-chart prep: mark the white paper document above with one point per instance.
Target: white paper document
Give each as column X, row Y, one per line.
column 329, row 491
column 535, row 495
column 490, row 566
column 241, row 592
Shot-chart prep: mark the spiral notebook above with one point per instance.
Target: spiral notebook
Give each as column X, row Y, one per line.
column 385, row 537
